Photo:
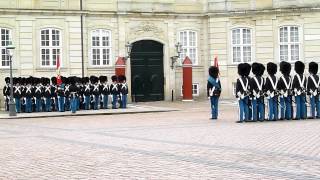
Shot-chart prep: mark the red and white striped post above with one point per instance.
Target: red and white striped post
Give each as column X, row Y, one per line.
column 187, row 79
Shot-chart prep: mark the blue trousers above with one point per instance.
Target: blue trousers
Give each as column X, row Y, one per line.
column 114, row 101
column 214, row 101
column 67, row 103
column 301, row 107
column 48, row 104
column 96, row 102
column 315, row 106
column 273, row 108
column 73, row 104
column 18, row 104
column 28, row 105
column 86, row 102
column 38, row 104
column 244, row 109
column 257, row 109
column 286, row 107
column 124, row 101
column 61, row 102
column 105, row 101
column 78, row 102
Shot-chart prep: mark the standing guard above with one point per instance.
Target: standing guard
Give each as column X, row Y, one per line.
column 271, row 91
column 95, row 92
column 86, row 93
column 17, row 93
column 38, row 92
column 256, row 88
column 79, row 97
column 312, row 90
column 214, row 90
column 6, row 93
column 299, row 89
column 242, row 93
column 23, row 97
column 73, row 94
column 123, row 90
column 248, row 70
column 47, row 94
column 61, row 95
column 284, row 88
column 114, row 91
column 29, row 93
column 105, row 91
column 67, row 93
column 54, row 97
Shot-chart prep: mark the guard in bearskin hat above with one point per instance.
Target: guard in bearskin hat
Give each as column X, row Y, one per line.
column 17, row 93
column 95, row 91
column 214, row 90
column 86, row 93
column 312, row 90
column 73, row 93
column 114, row 91
column 38, row 92
column 47, row 94
column 271, row 91
column 299, row 90
column 105, row 91
column 23, row 99
column 285, row 93
column 79, row 97
column 6, row 93
column 242, row 92
column 61, row 94
column 256, row 91
column 29, row 94
column 67, row 93
column 54, row 96
column 248, row 70
column 123, row 90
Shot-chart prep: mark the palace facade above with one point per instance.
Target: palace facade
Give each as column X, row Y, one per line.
column 89, row 35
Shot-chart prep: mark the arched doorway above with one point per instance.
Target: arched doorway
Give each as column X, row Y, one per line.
column 147, row 80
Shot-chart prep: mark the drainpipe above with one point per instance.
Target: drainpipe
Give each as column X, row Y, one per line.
column 82, row 52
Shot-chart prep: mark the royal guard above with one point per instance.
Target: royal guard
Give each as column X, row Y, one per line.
column 79, row 97
column 248, row 70
column 114, row 91
column 61, row 95
column 285, row 93
column 29, row 93
column 54, row 97
column 123, row 90
column 47, row 94
column 86, row 93
column 105, row 91
column 67, row 94
column 214, row 90
column 256, row 90
column 73, row 94
column 312, row 90
column 299, row 90
column 271, row 91
column 17, row 93
column 95, row 91
column 23, row 99
column 38, row 92
column 242, row 93
column 6, row 93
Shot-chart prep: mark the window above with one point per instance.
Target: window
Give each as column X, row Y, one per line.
column 188, row 40
column 5, row 38
column 289, row 42
column 50, row 47
column 241, row 45
column 101, row 47
column 195, row 89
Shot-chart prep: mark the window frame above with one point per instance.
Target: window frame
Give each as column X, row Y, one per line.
column 289, row 43
column 198, row 89
column 51, row 47
column 4, row 47
column 101, row 48
column 242, row 45
column 188, row 47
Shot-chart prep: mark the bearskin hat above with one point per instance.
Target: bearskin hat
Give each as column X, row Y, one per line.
column 271, row 68
column 213, row 71
column 103, row 79
column 313, row 67
column 15, row 80
column 93, row 79
column 7, row 80
column 299, row 67
column 261, row 70
column 255, row 68
column 248, row 69
column 285, row 68
column 114, row 78
column 121, row 78
column 72, row 80
column 23, row 81
column 54, row 80
column 85, row 79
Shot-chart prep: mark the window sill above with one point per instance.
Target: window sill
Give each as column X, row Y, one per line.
column 43, row 69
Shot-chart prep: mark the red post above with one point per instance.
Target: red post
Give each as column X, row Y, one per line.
column 187, row 79
column 120, row 66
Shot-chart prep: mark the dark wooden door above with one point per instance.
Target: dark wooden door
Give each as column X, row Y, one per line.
column 147, row 71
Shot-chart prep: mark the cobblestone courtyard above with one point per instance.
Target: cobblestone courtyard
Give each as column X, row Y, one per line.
column 169, row 145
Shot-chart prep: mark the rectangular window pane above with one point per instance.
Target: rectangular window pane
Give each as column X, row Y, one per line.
column 192, row 39
column 294, row 52
column 236, row 54
column 246, row 36
column 55, row 38
column 236, row 36
column 246, row 54
column 294, row 34
column 104, row 56
column 183, row 54
column 192, row 54
column 4, row 58
column 284, row 34
column 283, row 52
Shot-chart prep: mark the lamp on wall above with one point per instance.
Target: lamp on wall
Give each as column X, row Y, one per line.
column 128, row 50
column 176, row 57
column 12, row 109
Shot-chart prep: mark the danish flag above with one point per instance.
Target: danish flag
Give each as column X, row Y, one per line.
column 59, row 81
